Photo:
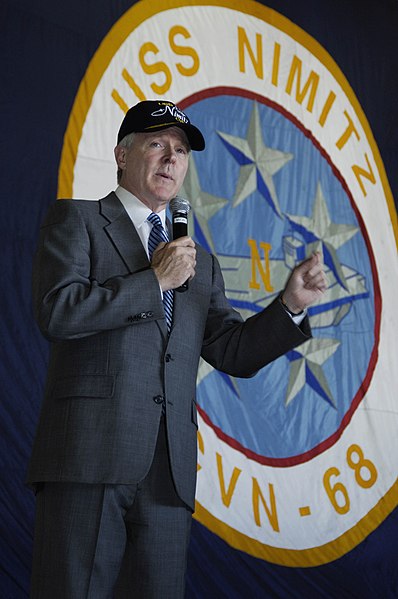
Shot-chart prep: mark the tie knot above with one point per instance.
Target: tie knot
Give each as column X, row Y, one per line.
column 154, row 219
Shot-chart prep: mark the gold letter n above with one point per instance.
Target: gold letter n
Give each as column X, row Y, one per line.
column 258, row 266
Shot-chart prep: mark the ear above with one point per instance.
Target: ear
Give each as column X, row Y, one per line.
column 121, row 157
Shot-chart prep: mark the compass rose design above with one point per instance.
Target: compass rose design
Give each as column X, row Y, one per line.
column 303, row 235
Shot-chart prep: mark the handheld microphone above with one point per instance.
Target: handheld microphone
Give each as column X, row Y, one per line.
column 179, row 209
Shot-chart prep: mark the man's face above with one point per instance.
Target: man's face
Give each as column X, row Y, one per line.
column 155, row 165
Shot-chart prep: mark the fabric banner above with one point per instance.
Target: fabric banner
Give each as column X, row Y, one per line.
column 297, row 470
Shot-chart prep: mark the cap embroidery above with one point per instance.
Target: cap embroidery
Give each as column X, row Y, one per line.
column 175, row 112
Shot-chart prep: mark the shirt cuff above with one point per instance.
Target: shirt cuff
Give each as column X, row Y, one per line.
column 297, row 318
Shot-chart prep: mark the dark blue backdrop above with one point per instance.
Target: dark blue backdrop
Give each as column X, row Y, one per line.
column 45, row 49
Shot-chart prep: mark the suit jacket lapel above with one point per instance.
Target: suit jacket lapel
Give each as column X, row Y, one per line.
column 123, row 234
column 125, row 239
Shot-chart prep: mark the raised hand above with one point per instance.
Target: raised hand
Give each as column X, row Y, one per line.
column 306, row 284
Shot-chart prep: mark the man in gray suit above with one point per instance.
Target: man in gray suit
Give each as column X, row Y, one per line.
column 114, row 459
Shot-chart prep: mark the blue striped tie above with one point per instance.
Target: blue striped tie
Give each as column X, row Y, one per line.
column 157, row 235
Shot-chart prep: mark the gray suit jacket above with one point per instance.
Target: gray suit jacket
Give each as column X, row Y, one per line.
column 112, row 363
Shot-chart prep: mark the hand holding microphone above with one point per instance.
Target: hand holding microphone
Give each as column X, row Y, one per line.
column 175, row 262
column 179, row 209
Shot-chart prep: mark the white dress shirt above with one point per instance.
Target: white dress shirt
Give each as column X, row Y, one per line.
column 138, row 214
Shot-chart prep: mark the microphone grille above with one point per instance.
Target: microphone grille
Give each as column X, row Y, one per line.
column 179, row 204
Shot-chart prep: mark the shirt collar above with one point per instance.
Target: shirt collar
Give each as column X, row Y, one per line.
column 137, row 211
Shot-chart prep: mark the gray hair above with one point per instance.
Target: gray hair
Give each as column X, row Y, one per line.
column 126, row 142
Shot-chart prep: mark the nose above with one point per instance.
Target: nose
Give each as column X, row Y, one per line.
column 170, row 154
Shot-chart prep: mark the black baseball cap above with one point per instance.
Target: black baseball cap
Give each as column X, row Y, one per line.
column 155, row 115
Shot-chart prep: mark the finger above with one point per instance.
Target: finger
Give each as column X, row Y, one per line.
column 186, row 251
column 318, row 281
column 321, row 286
column 313, row 272
column 315, row 260
column 316, row 271
column 183, row 242
column 159, row 247
column 307, row 264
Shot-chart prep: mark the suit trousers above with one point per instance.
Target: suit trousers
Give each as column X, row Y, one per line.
column 95, row 541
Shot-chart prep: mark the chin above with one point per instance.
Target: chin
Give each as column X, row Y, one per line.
column 166, row 196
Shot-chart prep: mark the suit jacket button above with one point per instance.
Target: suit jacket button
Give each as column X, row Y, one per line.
column 168, row 357
column 158, row 399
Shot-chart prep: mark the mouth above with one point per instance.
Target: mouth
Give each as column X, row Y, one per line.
column 165, row 176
